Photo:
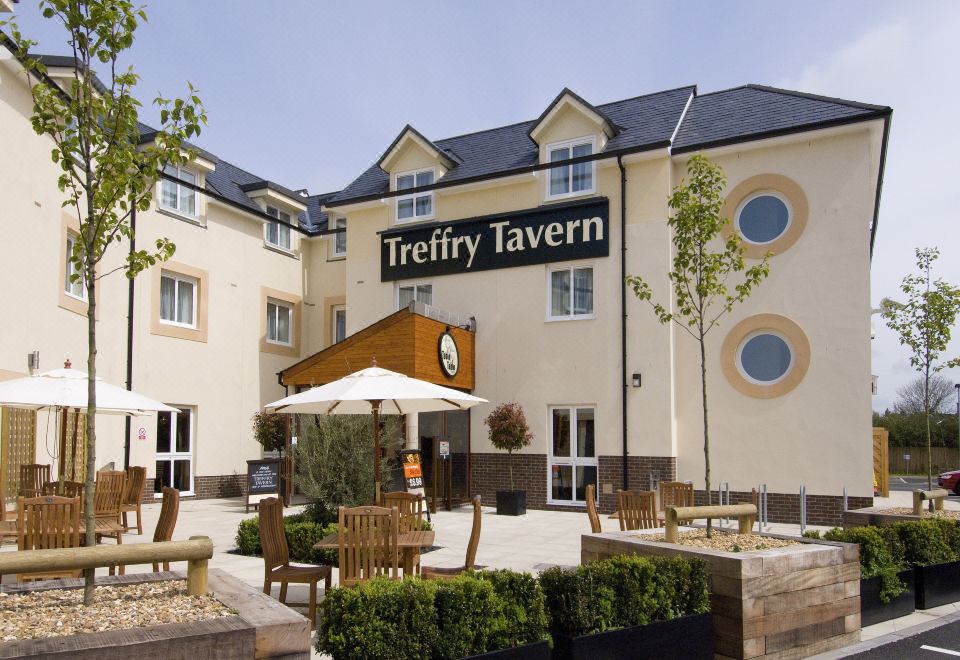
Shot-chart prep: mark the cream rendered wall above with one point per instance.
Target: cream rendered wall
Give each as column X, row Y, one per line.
column 324, row 282
column 819, row 433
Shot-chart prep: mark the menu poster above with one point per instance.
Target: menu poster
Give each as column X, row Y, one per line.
column 412, row 471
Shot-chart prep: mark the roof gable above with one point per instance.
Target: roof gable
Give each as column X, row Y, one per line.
column 568, row 99
column 411, row 135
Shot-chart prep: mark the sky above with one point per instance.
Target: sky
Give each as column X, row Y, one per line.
column 309, row 94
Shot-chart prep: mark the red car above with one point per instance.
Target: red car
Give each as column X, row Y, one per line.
column 950, row 481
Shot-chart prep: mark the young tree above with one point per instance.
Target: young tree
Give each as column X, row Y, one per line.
column 106, row 170
column 700, row 273
column 509, row 431
column 923, row 324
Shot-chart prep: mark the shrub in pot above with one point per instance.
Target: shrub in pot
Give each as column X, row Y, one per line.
column 932, row 548
column 509, row 432
column 630, row 607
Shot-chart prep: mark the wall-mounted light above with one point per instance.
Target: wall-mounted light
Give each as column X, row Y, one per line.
column 636, row 379
column 33, row 362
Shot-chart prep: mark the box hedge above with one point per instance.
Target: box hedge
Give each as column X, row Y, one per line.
column 472, row 614
column 623, row 591
column 301, row 535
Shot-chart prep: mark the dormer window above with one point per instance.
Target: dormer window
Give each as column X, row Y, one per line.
column 419, row 206
column 175, row 197
column 277, row 234
column 571, row 180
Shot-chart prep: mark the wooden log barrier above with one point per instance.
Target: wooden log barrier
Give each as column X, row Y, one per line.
column 744, row 513
column 937, row 495
column 196, row 552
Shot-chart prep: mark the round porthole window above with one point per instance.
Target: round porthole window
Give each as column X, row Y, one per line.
column 763, row 218
column 764, row 358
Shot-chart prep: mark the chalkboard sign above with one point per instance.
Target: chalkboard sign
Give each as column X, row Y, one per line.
column 412, row 471
column 263, row 480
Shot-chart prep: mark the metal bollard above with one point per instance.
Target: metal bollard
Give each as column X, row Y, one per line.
column 845, row 509
column 803, row 509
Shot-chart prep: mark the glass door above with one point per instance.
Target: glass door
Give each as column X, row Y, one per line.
column 175, row 451
column 573, row 454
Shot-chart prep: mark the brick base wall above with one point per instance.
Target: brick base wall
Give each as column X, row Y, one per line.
column 785, row 507
column 643, row 472
column 206, row 487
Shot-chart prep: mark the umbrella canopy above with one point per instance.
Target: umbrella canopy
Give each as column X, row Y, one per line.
column 378, row 391
column 354, row 394
column 67, row 388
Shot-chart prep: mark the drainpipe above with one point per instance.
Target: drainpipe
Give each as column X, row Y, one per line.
column 623, row 311
column 126, row 425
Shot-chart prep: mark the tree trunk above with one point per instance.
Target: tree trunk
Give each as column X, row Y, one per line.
column 706, row 430
column 926, row 410
column 510, row 467
column 89, row 512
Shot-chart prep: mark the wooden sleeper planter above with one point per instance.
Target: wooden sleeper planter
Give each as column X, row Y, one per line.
column 684, row 638
column 535, row 651
column 873, row 610
column 937, row 584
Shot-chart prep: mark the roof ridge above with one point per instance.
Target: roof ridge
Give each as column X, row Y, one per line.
column 641, row 96
column 721, row 91
column 817, row 97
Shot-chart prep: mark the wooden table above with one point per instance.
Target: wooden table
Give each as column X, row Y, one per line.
column 409, row 544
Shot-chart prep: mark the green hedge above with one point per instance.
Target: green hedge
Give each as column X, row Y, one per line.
column 393, row 620
column 301, row 535
column 623, row 591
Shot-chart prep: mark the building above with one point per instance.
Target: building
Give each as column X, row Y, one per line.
column 481, row 241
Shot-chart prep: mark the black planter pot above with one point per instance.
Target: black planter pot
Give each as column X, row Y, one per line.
column 535, row 651
column 872, row 610
column 937, row 584
column 686, row 638
column 511, row 502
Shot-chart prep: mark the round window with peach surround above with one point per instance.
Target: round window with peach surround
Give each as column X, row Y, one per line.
column 769, row 211
column 765, row 356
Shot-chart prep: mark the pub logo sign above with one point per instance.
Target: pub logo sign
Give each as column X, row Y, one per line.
column 524, row 238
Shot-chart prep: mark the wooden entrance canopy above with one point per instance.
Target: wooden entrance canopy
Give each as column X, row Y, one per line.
column 405, row 342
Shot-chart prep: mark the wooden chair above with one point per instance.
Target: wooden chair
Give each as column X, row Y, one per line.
column 410, row 508
column 70, row 489
column 435, row 572
column 675, row 493
column 168, row 520
column 637, row 509
column 132, row 494
column 107, row 495
column 48, row 522
column 276, row 560
column 592, row 510
column 32, row 478
column 368, row 543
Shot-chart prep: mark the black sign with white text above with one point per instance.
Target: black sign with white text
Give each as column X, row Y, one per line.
column 535, row 236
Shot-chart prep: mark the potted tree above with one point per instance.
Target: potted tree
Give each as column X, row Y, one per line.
column 509, row 432
column 270, row 431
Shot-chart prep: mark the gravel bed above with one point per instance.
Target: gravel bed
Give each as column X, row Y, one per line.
column 59, row 612
column 727, row 541
column 903, row 510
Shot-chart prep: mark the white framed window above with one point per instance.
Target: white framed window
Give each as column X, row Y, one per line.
column 279, row 322
column 174, row 458
column 422, row 292
column 340, row 238
column 573, row 454
column 75, row 288
column 277, row 234
column 177, row 198
column 419, row 206
column 764, row 357
column 178, row 300
column 571, row 180
column 338, row 319
column 763, row 217
column 570, row 293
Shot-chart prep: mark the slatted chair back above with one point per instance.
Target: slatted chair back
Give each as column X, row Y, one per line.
column 45, row 523
column 108, row 493
column 409, row 506
column 273, row 541
column 474, row 542
column 637, row 509
column 68, row 489
column 32, row 478
column 675, row 493
column 592, row 510
column 133, row 489
column 368, row 538
column 169, row 509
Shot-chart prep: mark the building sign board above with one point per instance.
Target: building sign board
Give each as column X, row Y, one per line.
column 449, row 355
column 535, row 236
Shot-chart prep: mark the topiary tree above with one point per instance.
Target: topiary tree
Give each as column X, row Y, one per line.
column 509, row 431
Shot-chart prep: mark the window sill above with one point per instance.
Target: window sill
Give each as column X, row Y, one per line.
column 280, row 250
column 337, row 257
column 179, row 326
column 190, row 219
column 412, row 221
column 278, row 344
column 553, row 199
column 572, row 505
column 559, row 319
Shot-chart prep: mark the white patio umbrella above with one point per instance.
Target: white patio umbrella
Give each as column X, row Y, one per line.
column 377, row 390
column 66, row 388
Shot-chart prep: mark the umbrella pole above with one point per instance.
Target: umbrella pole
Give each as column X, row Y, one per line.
column 376, row 451
column 73, row 445
column 63, row 440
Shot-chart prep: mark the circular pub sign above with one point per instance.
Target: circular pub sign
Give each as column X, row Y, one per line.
column 449, row 355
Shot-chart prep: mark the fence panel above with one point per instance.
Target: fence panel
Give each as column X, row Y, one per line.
column 943, row 458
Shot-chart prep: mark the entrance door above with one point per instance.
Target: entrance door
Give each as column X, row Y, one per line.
column 447, row 479
column 573, row 455
column 175, row 451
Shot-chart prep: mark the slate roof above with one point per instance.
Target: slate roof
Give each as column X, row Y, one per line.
column 315, row 219
column 729, row 116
